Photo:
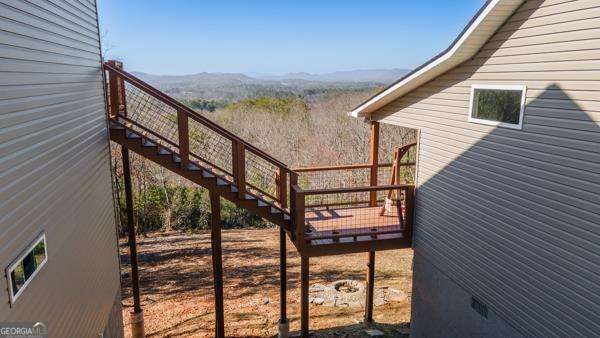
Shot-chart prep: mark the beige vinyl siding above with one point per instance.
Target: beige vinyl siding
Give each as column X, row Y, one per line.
column 55, row 165
column 514, row 215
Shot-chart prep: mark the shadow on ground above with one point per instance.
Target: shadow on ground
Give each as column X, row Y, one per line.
column 176, row 286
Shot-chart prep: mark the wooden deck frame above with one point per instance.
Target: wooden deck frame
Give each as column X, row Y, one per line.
column 351, row 242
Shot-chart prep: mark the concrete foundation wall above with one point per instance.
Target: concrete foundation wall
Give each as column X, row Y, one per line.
column 114, row 327
column 441, row 308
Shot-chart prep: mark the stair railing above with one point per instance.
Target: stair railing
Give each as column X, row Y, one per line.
column 198, row 139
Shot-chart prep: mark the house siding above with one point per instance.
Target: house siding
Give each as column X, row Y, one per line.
column 513, row 216
column 55, row 167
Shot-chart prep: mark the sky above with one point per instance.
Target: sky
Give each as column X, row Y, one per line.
column 278, row 36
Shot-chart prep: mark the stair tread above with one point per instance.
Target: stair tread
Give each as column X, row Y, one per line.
column 132, row 135
column 114, row 125
column 193, row 167
column 148, row 143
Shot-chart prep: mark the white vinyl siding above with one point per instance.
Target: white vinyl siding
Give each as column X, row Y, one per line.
column 513, row 216
column 55, row 165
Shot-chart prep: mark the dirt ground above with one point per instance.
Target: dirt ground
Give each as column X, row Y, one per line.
column 177, row 290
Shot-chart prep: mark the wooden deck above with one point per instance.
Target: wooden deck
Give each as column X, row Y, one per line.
column 352, row 229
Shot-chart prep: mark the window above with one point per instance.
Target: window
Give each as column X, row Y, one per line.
column 497, row 105
column 26, row 266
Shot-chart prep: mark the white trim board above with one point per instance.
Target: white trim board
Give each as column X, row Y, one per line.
column 489, row 19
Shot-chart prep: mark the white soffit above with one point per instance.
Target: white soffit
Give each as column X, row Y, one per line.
column 485, row 23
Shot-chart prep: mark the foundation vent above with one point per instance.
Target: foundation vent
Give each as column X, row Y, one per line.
column 479, row 307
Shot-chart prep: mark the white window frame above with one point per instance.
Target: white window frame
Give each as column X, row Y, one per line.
column 16, row 261
column 522, row 88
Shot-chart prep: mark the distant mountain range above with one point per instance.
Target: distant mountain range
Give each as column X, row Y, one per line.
column 382, row 76
column 233, row 86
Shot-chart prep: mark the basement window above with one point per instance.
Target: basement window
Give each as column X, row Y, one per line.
column 22, row 271
column 497, row 105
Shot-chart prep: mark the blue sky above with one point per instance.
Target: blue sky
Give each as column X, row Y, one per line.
column 278, row 36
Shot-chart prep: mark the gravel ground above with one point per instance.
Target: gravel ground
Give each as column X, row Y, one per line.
column 177, row 294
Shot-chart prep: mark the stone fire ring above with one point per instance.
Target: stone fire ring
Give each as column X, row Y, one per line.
column 351, row 293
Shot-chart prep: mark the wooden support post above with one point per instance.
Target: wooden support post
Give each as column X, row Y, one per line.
column 137, row 316
column 184, row 143
column 284, row 326
column 217, row 262
column 304, row 274
column 370, row 288
column 374, row 160
column 410, row 213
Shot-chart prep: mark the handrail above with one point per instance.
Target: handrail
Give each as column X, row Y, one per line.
column 309, row 192
column 199, row 118
column 338, row 167
column 346, row 167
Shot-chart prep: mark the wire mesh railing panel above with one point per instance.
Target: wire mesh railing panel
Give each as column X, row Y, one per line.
column 261, row 176
column 348, row 214
column 151, row 113
column 331, row 179
column 211, row 148
column 384, row 175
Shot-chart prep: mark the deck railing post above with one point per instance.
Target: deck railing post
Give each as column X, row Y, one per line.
column 298, row 214
column 184, row 145
column 121, row 85
column 113, row 92
column 410, row 212
column 240, row 168
column 217, row 262
column 116, row 88
column 137, row 316
column 374, row 161
column 281, row 177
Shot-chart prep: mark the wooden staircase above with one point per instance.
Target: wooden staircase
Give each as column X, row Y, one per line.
column 205, row 177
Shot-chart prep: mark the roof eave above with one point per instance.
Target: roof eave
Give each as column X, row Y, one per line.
column 441, row 63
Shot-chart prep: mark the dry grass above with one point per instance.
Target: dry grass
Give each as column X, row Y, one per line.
column 177, row 293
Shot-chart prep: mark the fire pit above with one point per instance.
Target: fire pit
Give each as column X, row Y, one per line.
column 351, row 293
